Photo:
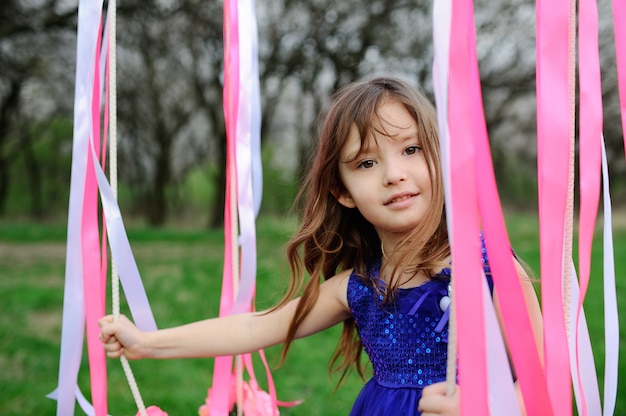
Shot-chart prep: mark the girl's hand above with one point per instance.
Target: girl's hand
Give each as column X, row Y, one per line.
column 121, row 337
column 435, row 402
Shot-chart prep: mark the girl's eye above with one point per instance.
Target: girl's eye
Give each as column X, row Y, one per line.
column 366, row 164
column 411, row 150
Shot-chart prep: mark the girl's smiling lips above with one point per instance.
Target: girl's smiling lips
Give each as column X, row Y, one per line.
column 398, row 198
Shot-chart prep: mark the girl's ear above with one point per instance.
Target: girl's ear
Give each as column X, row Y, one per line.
column 345, row 199
column 342, row 195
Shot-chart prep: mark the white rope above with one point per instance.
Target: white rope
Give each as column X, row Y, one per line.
column 115, row 281
column 115, row 287
column 569, row 209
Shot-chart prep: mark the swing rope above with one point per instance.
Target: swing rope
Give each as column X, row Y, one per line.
column 569, row 208
column 115, row 281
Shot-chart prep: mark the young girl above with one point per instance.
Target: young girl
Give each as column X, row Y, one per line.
column 374, row 242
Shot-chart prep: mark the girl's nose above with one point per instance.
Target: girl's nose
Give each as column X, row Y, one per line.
column 394, row 173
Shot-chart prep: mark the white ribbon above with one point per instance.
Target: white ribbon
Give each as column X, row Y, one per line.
column 611, row 317
column 442, row 16
column 502, row 395
column 73, row 322
column 248, row 151
column 122, row 254
column 584, row 358
column 82, row 401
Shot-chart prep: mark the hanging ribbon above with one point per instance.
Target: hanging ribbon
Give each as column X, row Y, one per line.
column 502, row 395
column 243, row 196
column 442, row 16
column 583, row 367
column 247, row 113
column 86, row 257
column 498, row 242
column 223, row 365
column 507, row 285
column 72, row 332
column 553, row 150
column 611, row 317
column 249, row 172
column 93, row 282
column 552, row 34
column 466, row 278
column 582, row 363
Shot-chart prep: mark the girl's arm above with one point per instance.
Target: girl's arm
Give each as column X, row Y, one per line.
column 230, row 335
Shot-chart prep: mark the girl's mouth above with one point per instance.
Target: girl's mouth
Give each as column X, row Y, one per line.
column 399, row 198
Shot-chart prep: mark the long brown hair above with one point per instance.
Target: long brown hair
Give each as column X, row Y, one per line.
column 333, row 238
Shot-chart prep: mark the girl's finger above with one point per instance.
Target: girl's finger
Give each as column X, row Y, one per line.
column 437, row 388
column 105, row 320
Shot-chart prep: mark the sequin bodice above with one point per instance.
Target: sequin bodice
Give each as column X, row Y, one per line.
column 406, row 340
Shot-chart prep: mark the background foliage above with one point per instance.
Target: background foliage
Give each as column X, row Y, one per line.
column 170, row 93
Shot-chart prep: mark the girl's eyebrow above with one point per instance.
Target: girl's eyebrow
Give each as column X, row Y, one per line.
column 356, row 152
column 352, row 156
column 410, row 137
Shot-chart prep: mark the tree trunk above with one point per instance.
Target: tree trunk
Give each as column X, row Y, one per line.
column 33, row 173
column 157, row 210
column 216, row 217
column 8, row 107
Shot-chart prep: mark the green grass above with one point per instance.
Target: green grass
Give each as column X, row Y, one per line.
column 182, row 271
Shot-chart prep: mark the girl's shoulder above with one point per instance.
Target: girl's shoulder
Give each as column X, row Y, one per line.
column 342, row 277
column 338, row 284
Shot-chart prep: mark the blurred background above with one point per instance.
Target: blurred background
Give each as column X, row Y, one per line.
column 171, row 130
column 172, row 141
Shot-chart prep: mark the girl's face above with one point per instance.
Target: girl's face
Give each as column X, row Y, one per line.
column 386, row 177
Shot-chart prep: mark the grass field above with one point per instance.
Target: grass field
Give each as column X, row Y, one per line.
column 181, row 270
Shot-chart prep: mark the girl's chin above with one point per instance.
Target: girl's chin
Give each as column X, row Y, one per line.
column 394, row 232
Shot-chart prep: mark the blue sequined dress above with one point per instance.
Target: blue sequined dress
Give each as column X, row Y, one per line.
column 406, row 342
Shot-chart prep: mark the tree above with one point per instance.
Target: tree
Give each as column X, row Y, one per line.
column 170, row 80
column 33, row 62
column 302, row 44
column 163, row 126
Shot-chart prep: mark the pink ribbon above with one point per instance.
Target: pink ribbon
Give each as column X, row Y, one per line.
column 243, row 123
column 223, row 365
column 553, row 120
column 93, row 282
column 553, row 150
column 517, row 326
column 467, row 285
column 501, row 397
